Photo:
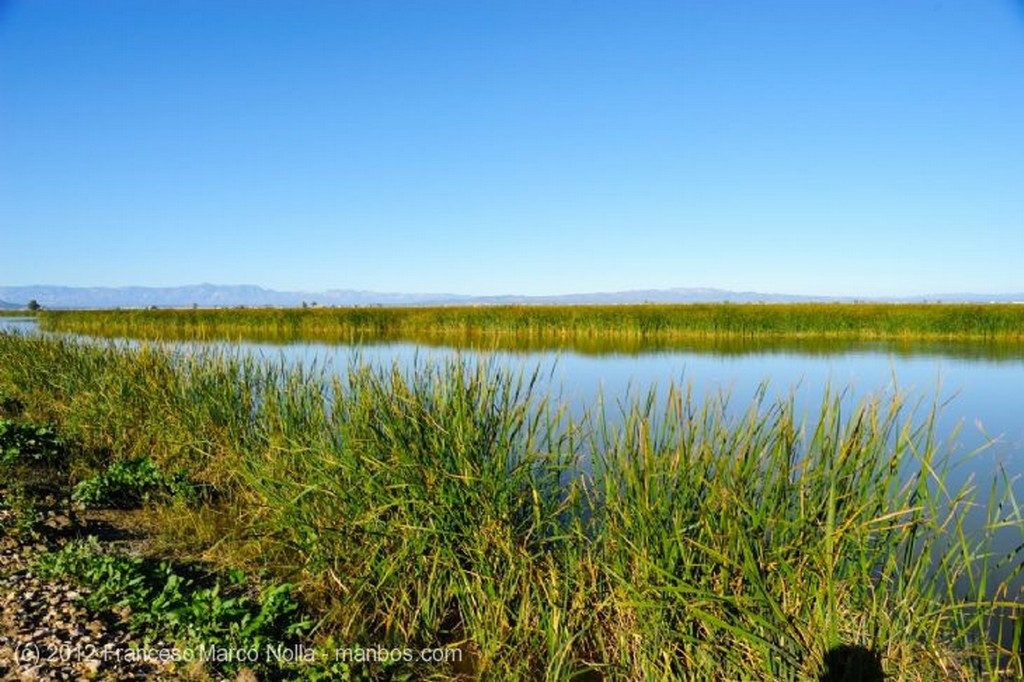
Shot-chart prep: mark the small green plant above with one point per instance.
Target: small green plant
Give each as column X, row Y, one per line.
column 130, row 483
column 29, row 443
column 32, row 464
column 18, row 514
column 161, row 601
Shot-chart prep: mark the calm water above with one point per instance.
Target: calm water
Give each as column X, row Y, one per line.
column 980, row 387
column 981, row 396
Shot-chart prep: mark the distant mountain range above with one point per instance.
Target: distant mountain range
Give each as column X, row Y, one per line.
column 218, row 296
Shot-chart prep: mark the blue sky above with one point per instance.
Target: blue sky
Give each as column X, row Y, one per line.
column 517, row 147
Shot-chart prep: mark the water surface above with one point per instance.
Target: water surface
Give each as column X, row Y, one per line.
column 977, row 386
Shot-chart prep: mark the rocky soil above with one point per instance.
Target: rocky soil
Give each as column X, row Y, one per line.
column 45, row 633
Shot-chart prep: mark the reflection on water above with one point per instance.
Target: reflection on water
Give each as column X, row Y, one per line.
column 982, row 382
column 982, row 379
column 982, row 349
column 17, row 323
column 977, row 385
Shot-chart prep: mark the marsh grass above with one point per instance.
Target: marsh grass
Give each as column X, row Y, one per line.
column 455, row 504
column 583, row 326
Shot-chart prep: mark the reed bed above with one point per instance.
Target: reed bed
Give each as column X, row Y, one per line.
column 994, row 349
column 484, row 324
column 455, row 504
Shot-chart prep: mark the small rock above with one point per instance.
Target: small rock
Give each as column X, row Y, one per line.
column 58, row 522
column 30, row 674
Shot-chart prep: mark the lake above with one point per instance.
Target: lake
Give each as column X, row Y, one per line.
column 977, row 386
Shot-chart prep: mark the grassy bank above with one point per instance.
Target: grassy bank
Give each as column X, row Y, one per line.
column 561, row 323
column 446, row 505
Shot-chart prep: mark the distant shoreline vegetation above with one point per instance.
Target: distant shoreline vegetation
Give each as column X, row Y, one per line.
column 561, row 324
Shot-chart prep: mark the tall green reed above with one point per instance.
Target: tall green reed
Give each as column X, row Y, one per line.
column 586, row 326
column 454, row 504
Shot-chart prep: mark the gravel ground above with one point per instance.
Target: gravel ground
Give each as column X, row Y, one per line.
column 45, row 634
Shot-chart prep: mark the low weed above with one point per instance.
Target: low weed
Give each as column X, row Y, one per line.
column 18, row 512
column 159, row 601
column 29, row 444
column 131, row 483
column 33, row 476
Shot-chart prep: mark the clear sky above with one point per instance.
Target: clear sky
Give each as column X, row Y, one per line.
column 514, row 147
